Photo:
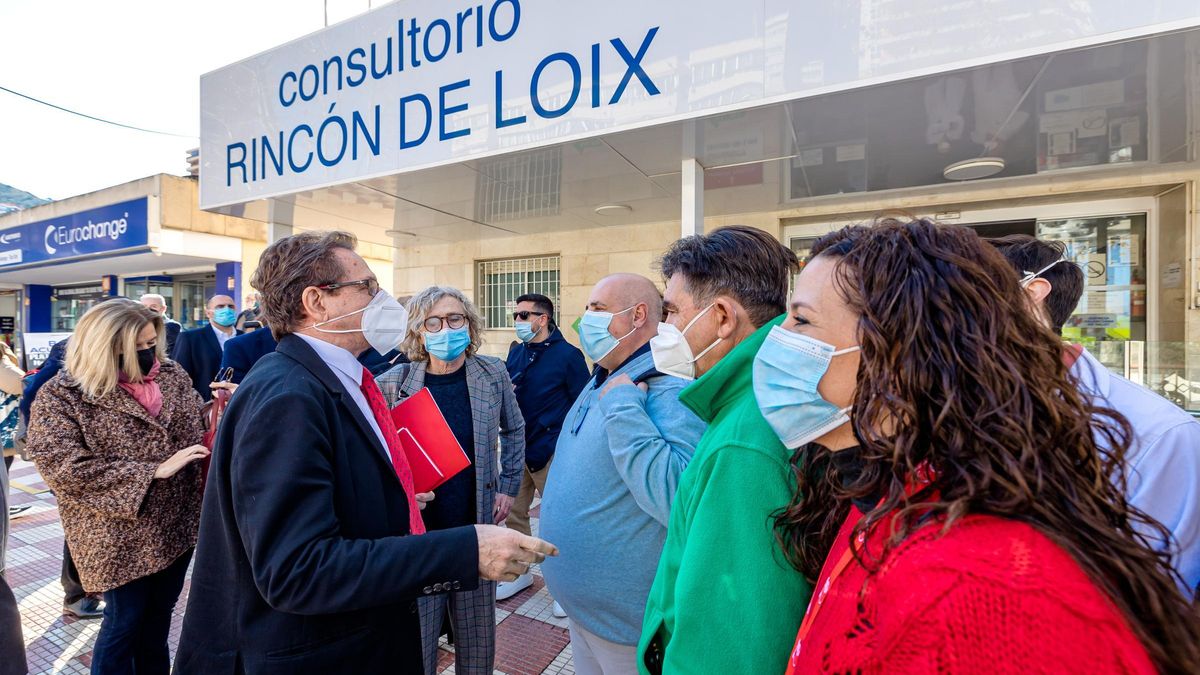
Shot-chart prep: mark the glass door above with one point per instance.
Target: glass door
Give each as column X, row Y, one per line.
column 1110, row 319
column 191, row 295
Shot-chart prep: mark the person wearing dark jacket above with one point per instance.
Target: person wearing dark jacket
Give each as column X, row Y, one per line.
column 306, row 561
column 547, row 373
column 199, row 350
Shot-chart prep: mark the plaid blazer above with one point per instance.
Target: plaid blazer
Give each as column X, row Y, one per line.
column 499, row 427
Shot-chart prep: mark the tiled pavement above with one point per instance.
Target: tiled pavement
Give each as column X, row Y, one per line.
column 529, row 639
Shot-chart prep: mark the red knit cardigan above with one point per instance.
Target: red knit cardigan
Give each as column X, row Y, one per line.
column 989, row 596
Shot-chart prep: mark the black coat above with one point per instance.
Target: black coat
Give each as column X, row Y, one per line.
column 243, row 351
column 199, row 352
column 173, row 329
column 302, row 564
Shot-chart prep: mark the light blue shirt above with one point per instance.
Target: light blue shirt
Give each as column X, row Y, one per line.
column 349, row 372
column 608, row 498
column 1163, row 477
column 222, row 336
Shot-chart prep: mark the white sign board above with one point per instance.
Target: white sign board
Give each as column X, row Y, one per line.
column 422, row 83
column 37, row 347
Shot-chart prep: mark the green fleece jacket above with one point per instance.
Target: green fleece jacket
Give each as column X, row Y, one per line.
column 724, row 599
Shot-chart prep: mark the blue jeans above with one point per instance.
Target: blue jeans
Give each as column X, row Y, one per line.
column 137, row 621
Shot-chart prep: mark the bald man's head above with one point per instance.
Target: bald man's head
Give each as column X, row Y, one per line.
column 636, row 306
column 630, row 289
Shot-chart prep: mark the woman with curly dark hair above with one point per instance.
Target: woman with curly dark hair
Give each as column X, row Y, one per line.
column 953, row 504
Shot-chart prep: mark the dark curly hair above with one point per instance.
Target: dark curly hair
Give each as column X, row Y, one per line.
column 957, row 375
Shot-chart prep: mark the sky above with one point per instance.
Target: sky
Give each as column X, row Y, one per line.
column 137, row 62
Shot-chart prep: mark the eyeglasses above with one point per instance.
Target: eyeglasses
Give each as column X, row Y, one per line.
column 433, row 324
column 524, row 316
column 372, row 285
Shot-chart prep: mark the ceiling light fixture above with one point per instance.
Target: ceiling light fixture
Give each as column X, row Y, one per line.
column 613, row 209
column 399, row 233
column 970, row 169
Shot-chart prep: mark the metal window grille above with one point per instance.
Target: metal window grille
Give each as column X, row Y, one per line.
column 500, row 282
column 525, row 185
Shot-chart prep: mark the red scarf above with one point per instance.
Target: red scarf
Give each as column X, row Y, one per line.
column 146, row 392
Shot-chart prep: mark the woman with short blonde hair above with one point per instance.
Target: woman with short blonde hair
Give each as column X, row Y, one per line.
column 476, row 398
column 421, row 305
column 115, row 435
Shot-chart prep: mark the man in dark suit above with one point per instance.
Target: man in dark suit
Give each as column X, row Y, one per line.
column 199, row 350
column 303, row 563
column 158, row 303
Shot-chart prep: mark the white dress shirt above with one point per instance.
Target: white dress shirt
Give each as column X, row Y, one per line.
column 349, row 372
column 222, row 336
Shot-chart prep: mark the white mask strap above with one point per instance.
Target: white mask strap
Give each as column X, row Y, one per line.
column 697, row 318
column 1030, row 276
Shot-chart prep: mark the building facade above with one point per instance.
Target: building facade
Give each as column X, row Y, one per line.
column 536, row 146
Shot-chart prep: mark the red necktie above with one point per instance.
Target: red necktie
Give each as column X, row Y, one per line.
column 399, row 460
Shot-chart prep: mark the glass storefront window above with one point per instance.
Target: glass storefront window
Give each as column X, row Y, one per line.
column 1112, row 253
column 68, row 304
column 194, row 293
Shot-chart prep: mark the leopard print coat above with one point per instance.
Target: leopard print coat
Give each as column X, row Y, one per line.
column 99, row 458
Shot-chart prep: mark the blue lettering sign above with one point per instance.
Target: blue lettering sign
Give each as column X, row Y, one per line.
column 96, row 231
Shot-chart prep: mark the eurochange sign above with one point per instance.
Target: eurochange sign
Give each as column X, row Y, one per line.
column 107, row 229
column 422, row 83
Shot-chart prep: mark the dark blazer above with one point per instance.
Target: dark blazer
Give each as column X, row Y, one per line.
column 243, row 351
column 173, row 329
column 302, row 564
column 199, row 353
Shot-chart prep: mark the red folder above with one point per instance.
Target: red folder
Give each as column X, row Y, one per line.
column 432, row 450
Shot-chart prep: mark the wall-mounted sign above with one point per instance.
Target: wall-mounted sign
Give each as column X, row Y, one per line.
column 417, row 84
column 101, row 230
column 8, row 324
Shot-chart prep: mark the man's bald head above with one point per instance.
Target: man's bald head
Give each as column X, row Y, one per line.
column 155, row 302
column 628, row 290
column 636, row 306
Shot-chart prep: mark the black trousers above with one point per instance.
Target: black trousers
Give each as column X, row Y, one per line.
column 137, row 621
column 12, row 645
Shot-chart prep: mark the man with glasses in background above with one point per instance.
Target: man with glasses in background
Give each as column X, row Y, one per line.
column 547, row 373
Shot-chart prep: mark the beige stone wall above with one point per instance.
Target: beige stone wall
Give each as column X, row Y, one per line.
column 588, row 255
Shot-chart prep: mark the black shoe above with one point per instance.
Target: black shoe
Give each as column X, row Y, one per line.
column 86, row 607
column 18, row 511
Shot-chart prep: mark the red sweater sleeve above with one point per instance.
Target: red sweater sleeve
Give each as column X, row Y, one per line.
column 1015, row 604
column 981, row 627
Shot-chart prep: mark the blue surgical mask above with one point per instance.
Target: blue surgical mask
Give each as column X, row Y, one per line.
column 594, row 336
column 525, row 331
column 225, row 316
column 786, row 372
column 447, row 345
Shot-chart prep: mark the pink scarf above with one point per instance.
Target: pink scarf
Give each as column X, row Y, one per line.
column 146, row 392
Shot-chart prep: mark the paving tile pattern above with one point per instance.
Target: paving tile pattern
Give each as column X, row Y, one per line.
column 529, row 639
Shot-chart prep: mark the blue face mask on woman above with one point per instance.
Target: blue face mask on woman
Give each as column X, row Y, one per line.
column 786, row 372
column 447, row 345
